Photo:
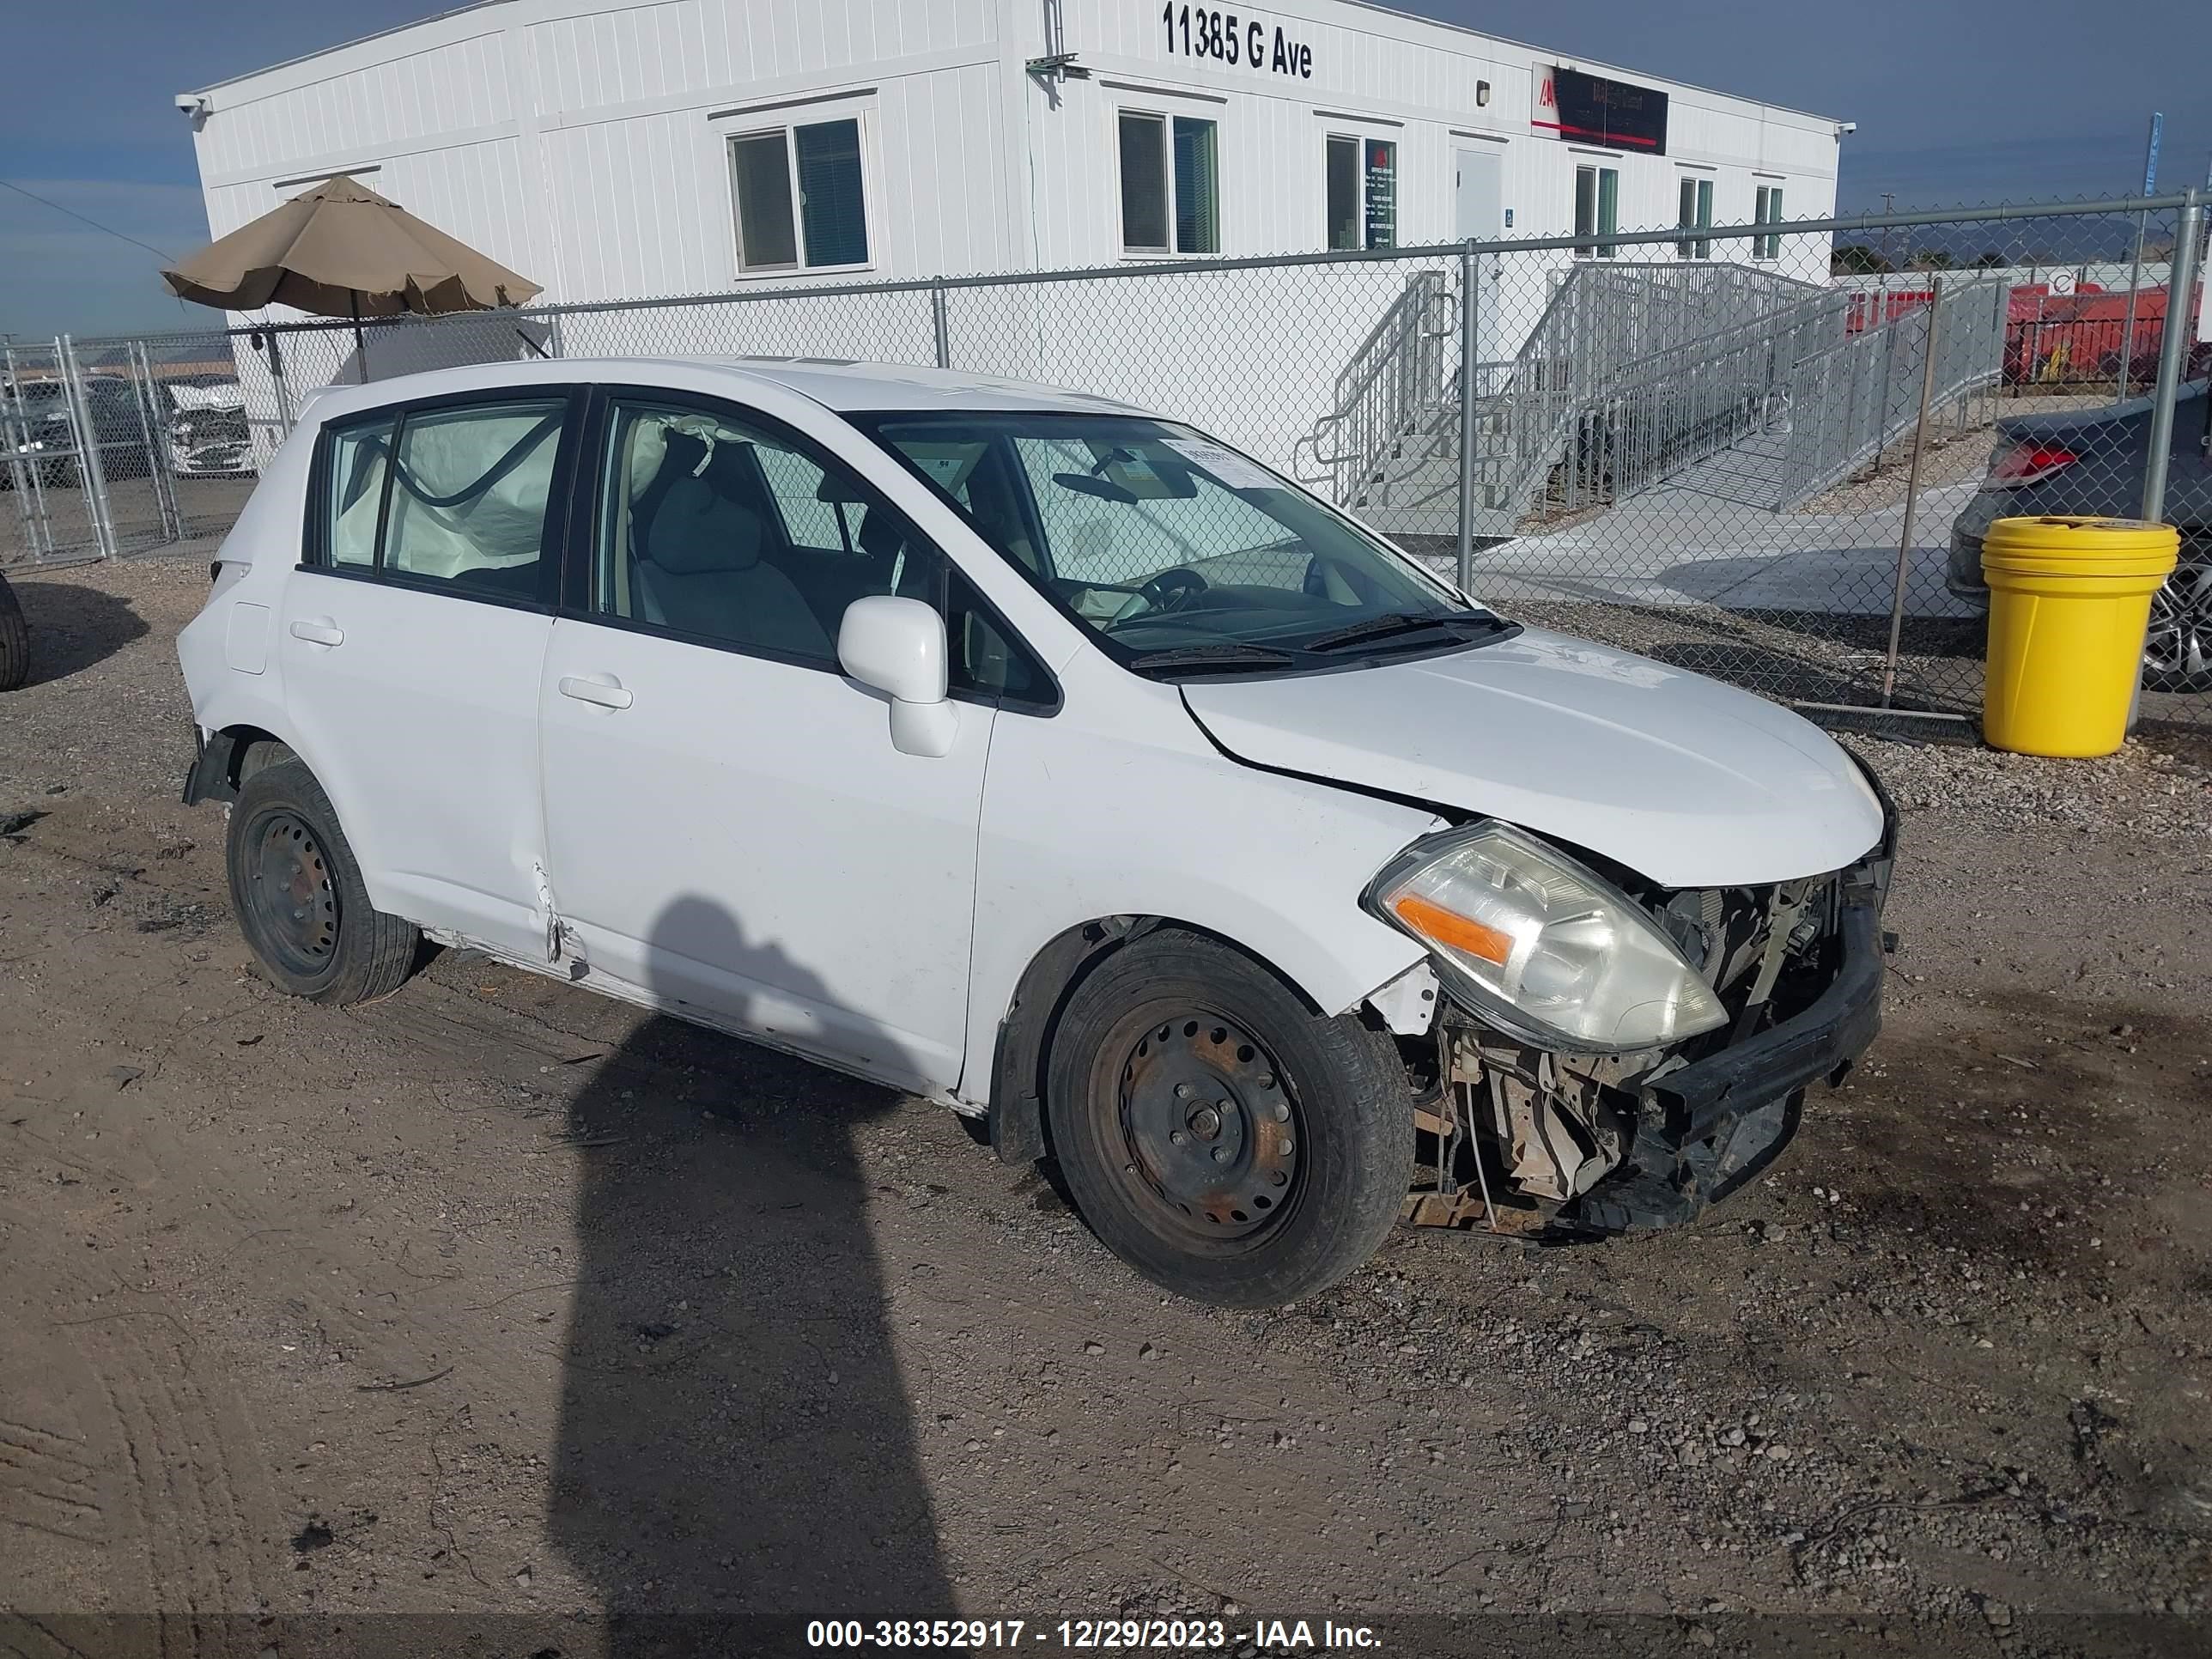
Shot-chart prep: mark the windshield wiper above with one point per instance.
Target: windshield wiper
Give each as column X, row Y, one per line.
column 1403, row 622
column 1226, row 655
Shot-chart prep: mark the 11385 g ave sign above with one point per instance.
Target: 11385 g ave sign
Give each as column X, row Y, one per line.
column 1240, row 42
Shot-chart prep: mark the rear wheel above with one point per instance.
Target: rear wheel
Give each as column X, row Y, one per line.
column 14, row 641
column 2177, row 651
column 299, row 896
column 1224, row 1140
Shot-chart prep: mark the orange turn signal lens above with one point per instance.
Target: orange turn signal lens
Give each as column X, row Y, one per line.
column 1433, row 922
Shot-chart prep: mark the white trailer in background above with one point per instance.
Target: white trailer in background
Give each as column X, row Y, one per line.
column 735, row 147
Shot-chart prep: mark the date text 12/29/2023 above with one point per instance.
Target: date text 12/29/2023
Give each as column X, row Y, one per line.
column 1071, row 1634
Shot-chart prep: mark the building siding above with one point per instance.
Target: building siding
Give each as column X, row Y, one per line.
column 586, row 144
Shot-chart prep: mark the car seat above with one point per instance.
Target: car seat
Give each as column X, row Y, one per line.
column 699, row 566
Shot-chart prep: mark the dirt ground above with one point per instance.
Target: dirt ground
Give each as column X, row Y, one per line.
column 497, row 1319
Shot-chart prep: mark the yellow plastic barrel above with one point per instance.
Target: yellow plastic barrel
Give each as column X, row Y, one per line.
column 2069, row 601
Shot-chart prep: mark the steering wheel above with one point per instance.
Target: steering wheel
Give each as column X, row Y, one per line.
column 1171, row 590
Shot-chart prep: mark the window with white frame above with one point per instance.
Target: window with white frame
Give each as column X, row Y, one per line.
column 1361, row 184
column 1696, row 213
column 1170, row 184
column 801, row 203
column 1597, row 208
column 1767, row 211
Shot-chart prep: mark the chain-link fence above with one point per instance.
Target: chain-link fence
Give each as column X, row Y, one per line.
column 1766, row 451
column 107, row 448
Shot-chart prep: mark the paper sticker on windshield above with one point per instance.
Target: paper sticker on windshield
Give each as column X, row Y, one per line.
column 1231, row 470
column 947, row 465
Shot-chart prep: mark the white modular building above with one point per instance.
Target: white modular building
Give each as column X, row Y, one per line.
column 617, row 148
column 622, row 150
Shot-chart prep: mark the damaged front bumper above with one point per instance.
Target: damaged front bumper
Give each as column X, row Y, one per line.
column 1559, row 1147
column 1704, row 1131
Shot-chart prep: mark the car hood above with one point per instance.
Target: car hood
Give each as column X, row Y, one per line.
column 1685, row 780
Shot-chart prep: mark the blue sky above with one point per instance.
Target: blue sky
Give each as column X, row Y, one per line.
column 1957, row 101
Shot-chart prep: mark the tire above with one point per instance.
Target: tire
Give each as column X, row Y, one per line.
column 298, row 893
column 1218, row 1136
column 2177, row 654
column 14, row 641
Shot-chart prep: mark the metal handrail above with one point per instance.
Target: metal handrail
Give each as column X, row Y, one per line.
column 1385, row 393
column 1850, row 402
column 1616, row 419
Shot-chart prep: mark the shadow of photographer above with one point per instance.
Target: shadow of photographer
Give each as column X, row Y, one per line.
column 736, row 1443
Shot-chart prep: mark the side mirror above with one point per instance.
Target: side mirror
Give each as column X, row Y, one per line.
column 897, row 647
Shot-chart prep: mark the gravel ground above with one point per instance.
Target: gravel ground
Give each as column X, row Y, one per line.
column 500, row 1319
column 2145, row 790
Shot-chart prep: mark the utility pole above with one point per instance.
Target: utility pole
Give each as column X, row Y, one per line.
column 1888, row 206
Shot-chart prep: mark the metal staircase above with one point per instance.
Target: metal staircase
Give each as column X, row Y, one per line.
column 1388, row 400
column 1632, row 373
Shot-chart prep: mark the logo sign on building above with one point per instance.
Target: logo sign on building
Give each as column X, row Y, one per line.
column 1589, row 109
column 2061, row 283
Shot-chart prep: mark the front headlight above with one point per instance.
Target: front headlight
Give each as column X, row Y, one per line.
column 1549, row 950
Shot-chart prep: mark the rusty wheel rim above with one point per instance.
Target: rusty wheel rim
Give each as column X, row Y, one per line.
column 1210, row 1138
column 294, row 899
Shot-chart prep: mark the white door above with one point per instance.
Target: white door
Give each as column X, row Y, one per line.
column 731, row 828
column 1478, row 215
column 410, row 664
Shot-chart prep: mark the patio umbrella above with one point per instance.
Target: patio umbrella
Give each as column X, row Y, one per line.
column 341, row 250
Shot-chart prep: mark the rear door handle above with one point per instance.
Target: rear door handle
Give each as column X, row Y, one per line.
column 318, row 631
column 603, row 690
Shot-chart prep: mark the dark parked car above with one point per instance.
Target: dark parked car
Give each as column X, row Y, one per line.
column 36, row 425
column 2092, row 461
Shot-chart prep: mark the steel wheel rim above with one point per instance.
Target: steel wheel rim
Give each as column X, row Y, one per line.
column 2180, row 641
column 1207, row 1137
column 294, row 902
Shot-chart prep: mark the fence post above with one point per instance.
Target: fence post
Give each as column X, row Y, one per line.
column 2128, row 335
column 14, row 430
column 1888, row 362
column 91, row 471
column 276, row 378
column 1467, row 389
column 1912, row 491
column 2172, row 353
column 156, row 431
column 941, row 324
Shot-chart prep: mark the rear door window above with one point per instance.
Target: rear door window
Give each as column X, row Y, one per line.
column 459, row 497
column 469, row 494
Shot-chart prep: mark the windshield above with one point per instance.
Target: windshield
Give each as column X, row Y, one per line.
column 1178, row 555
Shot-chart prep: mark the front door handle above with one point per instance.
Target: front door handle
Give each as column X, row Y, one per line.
column 603, row 690
column 319, row 631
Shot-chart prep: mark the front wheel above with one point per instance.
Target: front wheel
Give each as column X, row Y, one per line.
column 1216, row 1134
column 298, row 893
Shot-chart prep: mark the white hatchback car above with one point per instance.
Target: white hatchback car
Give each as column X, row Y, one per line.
column 1046, row 757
